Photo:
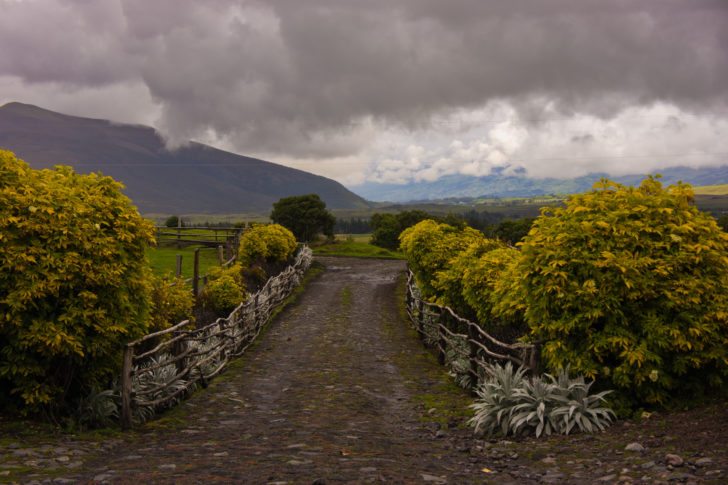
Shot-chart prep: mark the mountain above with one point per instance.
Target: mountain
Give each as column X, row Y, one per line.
column 500, row 185
column 195, row 179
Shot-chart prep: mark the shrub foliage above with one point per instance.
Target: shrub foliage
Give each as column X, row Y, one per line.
column 74, row 283
column 171, row 303
column 429, row 247
column 225, row 290
column 266, row 243
column 627, row 284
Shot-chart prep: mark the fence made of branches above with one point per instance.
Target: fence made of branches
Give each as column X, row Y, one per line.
column 463, row 345
column 160, row 368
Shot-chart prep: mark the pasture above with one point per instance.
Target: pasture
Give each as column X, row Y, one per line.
column 163, row 260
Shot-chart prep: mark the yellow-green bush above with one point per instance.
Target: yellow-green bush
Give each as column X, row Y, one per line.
column 269, row 243
column 430, row 247
column 474, row 274
column 171, row 303
column 628, row 286
column 74, row 283
column 448, row 283
column 224, row 290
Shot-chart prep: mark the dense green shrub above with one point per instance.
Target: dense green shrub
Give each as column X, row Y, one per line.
column 266, row 243
column 171, row 303
column 74, row 283
column 723, row 222
column 513, row 230
column 385, row 231
column 224, row 290
column 174, row 221
column 628, row 286
column 430, row 247
column 465, row 284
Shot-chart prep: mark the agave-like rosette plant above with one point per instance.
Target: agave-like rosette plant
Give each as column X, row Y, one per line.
column 509, row 403
column 497, row 398
column 537, row 400
column 581, row 409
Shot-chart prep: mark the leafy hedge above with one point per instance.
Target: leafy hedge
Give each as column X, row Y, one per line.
column 627, row 285
column 74, row 283
column 430, row 246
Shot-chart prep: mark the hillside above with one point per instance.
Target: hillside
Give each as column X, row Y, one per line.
column 498, row 185
column 193, row 179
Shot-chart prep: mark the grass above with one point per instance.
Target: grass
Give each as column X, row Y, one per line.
column 164, row 260
column 361, row 238
column 711, row 189
column 355, row 249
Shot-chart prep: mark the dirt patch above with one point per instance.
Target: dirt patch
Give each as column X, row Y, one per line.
column 340, row 390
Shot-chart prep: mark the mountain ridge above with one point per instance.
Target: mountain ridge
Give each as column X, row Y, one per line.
column 194, row 178
column 505, row 186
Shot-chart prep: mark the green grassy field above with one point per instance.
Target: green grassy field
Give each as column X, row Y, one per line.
column 360, row 238
column 711, row 190
column 164, row 260
column 356, row 249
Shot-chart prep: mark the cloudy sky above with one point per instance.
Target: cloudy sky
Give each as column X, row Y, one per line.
column 390, row 90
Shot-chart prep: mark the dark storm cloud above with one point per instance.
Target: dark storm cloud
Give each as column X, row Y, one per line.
column 310, row 78
column 422, row 56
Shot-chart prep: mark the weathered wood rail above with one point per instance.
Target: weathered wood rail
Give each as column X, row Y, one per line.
column 198, row 281
column 183, row 356
column 228, row 237
column 461, row 344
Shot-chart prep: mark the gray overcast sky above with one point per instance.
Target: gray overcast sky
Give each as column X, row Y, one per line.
column 390, row 90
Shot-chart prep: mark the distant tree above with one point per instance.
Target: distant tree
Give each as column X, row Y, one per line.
column 483, row 221
column 304, row 215
column 352, row 226
column 173, row 221
column 723, row 222
column 387, row 227
column 386, row 231
column 513, row 231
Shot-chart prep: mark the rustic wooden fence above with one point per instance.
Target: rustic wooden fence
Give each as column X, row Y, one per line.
column 183, row 356
column 228, row 237
column 225, row 239
column 198, row 281
column 461, row 344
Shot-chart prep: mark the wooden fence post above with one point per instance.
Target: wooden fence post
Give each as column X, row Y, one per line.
column 196, row 274
column 179, row 347
column 473, row 351
column 441, row 344
column 220, row 256
column 420, row 319
column 179, row 232
column 126, row 365
column 535, row 360
column 179, row 266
